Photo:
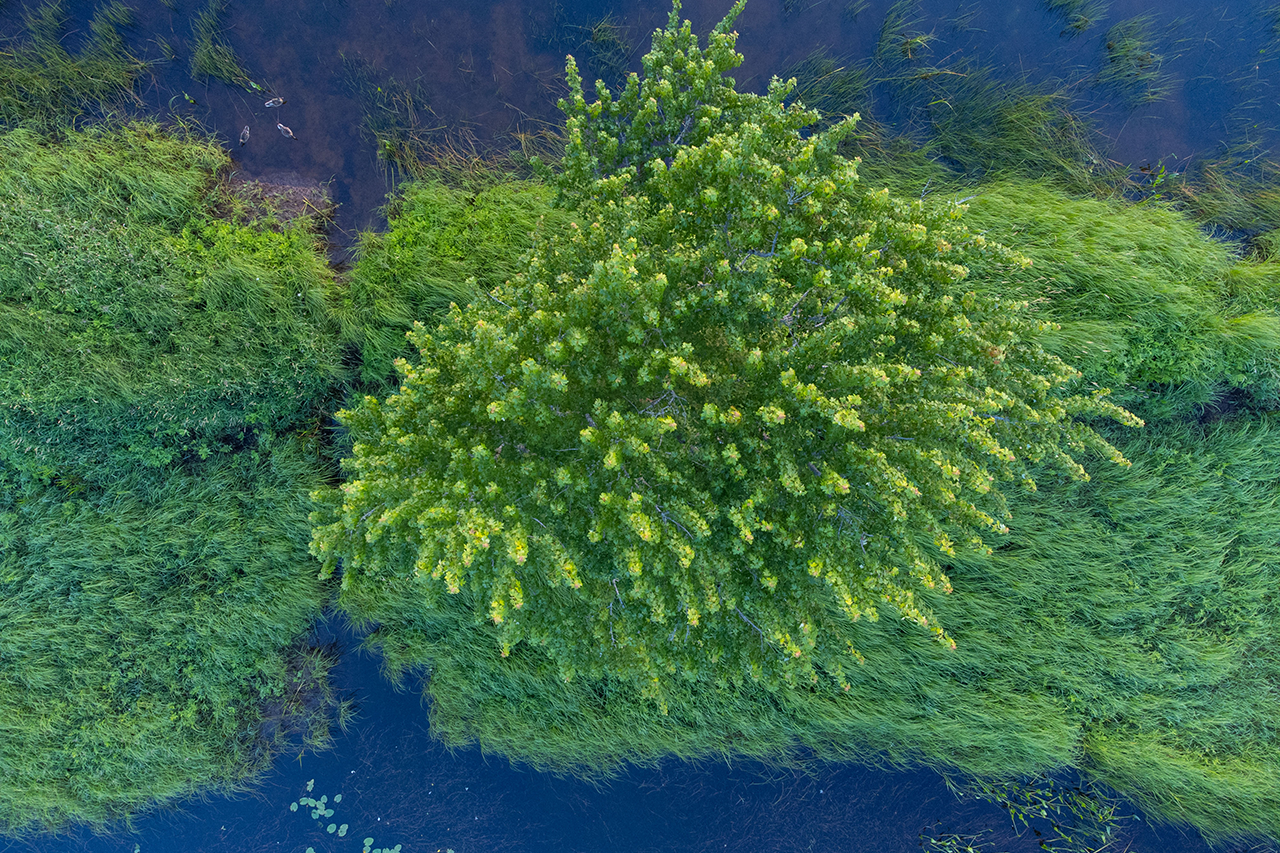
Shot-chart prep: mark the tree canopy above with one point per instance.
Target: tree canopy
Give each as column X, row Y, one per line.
column 742, row 405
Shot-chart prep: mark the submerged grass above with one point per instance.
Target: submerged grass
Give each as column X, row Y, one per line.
column 44, row 85
column 1133, row 68
column 1078, row 15
column 211, row 55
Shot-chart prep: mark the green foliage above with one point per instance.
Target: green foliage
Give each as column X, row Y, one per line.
column 148, row 649
column 136, row 330
column 1144, row 303
column 700, row 437
column 1133, row 67
column 44, row 85
column 211, row 56
column 452, row 235
column 1078, row 15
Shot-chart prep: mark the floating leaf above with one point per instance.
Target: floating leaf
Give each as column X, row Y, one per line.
column 315, row 814
column 342, row 830
column 293, row 807
column 331, row 828
column 311, row 785
column 324, row 798
column 368, row 842
column 337, row 798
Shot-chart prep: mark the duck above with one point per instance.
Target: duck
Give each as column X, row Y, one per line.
column 244, row 136
column 288, row 134
column 274, row 102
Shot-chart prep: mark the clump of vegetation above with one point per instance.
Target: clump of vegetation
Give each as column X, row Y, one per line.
column 173, row 336
column 982, row 129
column 43, row 85
column 634, row 375
column 1238, row 191
column 899, row 40
column 1163, row 569
column 150, row 634
column 211, row 55
column 1132, row 67
column 395, row 118
column 157, row 365
column 451, row 239
column 1078, row 15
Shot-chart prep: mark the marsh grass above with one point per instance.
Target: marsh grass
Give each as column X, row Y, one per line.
column 1078, row 15
column 1237, row 190
column 899, row 39
column 452, row 238
column 395, row 117
column 1133, row 68
column 211, row 55
column 44, row 85
column 150, row 648
column 136, row 327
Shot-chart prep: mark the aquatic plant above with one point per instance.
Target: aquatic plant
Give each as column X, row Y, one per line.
column 395, row 117
column 1078, row 15
column 211, row 55
column 1132, row 66
column 43, row 85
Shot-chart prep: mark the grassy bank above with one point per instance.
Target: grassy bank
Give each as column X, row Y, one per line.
column 166, row 354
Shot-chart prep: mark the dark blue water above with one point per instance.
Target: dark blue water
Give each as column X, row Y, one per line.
column 399, row 786
column 486, row 71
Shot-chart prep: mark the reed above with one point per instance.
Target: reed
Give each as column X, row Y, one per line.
column 1133, row 68
column 45, row 86
column 211, row 55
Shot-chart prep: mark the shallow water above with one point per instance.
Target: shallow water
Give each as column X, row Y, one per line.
column 399, row 786
column 486, row 71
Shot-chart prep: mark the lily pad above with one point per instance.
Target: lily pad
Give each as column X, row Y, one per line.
column 337, row 798
column 311, row 785
column 331, row 828
column 342, row 830
column 293, row 807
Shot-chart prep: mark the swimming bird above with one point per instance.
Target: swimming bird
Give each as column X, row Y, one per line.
column 244, row 135
column 274, row 102
column 288, row 134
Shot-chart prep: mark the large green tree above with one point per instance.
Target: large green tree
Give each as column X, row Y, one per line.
column 737, row 409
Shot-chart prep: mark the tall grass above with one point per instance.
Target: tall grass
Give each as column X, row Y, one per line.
column 44, row 85
column 134, row 327
column 154, row 575
column 452, row 239
column 150, row 635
